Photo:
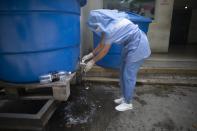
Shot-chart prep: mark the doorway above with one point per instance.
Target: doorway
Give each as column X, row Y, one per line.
column 182, row 18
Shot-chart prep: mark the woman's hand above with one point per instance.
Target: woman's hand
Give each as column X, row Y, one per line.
column 89, row 65
column 87, row 57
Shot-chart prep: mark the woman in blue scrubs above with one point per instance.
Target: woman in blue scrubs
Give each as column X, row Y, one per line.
column 113, row 27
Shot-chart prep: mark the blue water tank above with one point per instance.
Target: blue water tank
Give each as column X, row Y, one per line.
column 38, row 37
column 113, row 58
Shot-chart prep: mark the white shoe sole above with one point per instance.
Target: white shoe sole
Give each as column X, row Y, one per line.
column 124, row 109
column 118, row 101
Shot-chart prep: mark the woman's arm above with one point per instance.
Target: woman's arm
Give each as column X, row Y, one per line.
column 100, row 45
column 102, row 49
column 102, row 52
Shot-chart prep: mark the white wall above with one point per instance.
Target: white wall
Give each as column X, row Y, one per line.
column 86, row 35
column 159, row 31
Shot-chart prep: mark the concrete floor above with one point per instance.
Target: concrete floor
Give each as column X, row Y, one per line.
column 156, row 108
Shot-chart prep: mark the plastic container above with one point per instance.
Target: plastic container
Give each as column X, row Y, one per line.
column 113, row 58
column 38, row 37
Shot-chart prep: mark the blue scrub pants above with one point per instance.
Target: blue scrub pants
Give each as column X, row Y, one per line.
column 128, row 76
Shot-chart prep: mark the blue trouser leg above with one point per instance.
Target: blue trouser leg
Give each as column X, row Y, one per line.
column 130, row 70
column 121, row 75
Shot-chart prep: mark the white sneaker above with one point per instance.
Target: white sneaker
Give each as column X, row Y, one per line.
column 119, row 101
column 124, row 107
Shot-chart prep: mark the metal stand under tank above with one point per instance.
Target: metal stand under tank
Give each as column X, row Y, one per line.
column 11, row 119
column 28, row 121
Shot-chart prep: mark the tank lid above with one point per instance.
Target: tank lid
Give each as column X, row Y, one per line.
column 72, row 6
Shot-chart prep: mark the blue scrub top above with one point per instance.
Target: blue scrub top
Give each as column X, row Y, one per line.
column 113, row 23
column 118, row 29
